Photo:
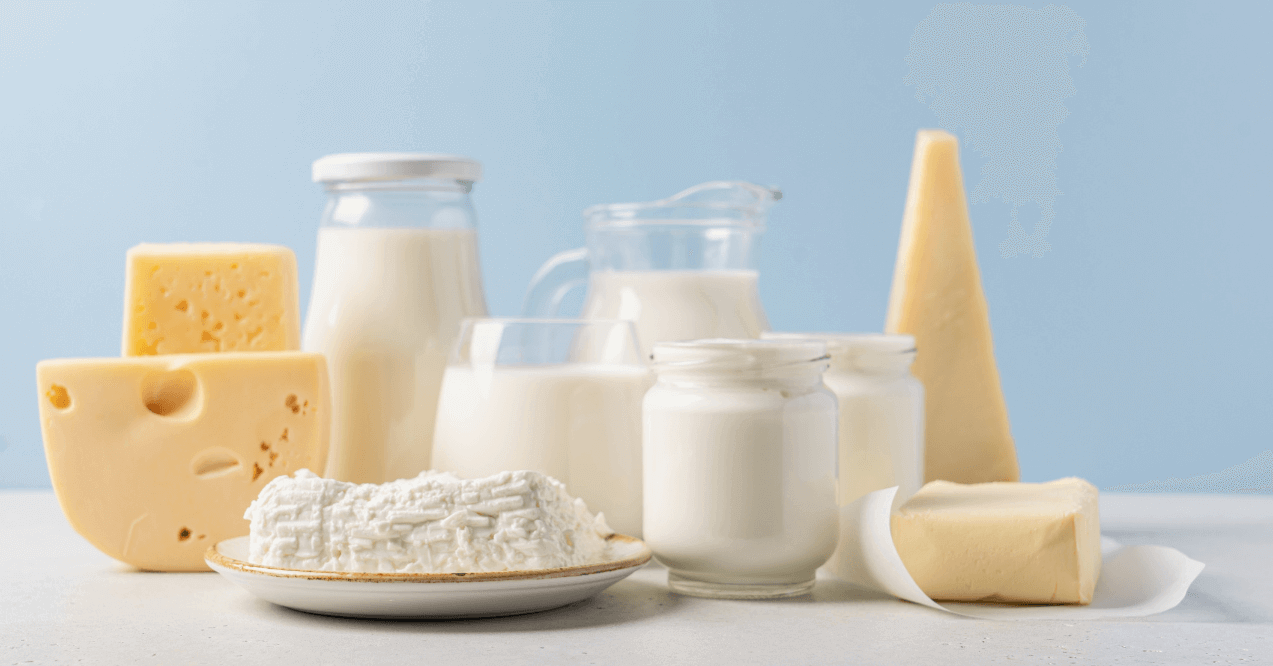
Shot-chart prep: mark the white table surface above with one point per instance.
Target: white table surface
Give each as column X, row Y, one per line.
column 61, row 601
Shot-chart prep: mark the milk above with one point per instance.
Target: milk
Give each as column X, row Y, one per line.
column 385, row 310
column 669, row 305
column 579, row 423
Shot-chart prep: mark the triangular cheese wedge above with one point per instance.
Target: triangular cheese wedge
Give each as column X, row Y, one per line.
column 937, row 298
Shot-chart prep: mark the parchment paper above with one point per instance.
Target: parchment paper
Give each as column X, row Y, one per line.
column 1135, row 581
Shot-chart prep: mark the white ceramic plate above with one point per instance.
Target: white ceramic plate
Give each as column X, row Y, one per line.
column 427, row 596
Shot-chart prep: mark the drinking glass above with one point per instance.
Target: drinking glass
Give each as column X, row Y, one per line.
column 557, row 396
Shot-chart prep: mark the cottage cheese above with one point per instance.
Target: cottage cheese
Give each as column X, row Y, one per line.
column 434, row 523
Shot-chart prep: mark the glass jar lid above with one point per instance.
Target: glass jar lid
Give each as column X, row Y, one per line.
column 741, row 357
column 860, row 350
column 355, row 167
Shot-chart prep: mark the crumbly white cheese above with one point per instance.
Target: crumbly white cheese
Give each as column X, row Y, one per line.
column 434, row 523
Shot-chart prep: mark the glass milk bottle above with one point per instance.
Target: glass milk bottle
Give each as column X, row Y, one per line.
column 396, row 272
column 680, row 268
column 881, row 411
column 739, row 466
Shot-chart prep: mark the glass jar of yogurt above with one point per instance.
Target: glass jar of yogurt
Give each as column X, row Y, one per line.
column 739, row 458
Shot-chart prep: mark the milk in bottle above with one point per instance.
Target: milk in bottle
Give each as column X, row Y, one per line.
column 396, row 271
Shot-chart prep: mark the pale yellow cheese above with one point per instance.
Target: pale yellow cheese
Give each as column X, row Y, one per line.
column 184, row 298
column 156, row 458
column 1037, row 543
column 937, row 298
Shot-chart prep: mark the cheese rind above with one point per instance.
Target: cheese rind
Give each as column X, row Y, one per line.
column 937, row 298
column 1037, row 543
column 210, row 297
column 154, row 459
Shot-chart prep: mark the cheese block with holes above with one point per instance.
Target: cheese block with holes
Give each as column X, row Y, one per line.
column 155, row 458
column 186, row 298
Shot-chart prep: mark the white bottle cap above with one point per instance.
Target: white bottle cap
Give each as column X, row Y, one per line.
column 394, row 166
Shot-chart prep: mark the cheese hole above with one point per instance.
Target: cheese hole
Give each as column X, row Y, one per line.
column 59, row 397
column 214, row 462
column 169, row 393
column 182, row 306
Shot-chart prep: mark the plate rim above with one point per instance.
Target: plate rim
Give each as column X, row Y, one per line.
column 216, row 558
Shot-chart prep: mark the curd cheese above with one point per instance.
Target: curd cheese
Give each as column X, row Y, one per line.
column 433, row 523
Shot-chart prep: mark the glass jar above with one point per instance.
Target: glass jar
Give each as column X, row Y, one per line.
column 739, row 466
column 397, row 270
column 881, row 411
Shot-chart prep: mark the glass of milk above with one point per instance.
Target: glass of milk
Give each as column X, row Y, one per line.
column 739, row 466
column 881, row 411
column 681, row 268
column 396, row 272
column 557, row 396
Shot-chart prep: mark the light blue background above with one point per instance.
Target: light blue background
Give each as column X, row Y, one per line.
column 1137, row 349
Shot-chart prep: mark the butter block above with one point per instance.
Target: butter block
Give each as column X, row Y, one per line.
column 1034, row 543
column 154, row 459
column 186, row 298
column 937, row 298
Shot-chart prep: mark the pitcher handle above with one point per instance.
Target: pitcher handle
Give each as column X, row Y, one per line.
column 560, row 275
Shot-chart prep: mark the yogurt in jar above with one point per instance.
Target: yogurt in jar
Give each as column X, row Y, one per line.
column 881, row 411
column 740, row 466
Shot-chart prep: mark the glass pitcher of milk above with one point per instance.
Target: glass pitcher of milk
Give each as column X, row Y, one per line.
column 396, row 272
column 681, row 268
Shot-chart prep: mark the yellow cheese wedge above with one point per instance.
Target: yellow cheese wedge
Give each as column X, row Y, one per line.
column 156, row 458
column 937, row 298
column 1037, row 543
column 185, row 298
